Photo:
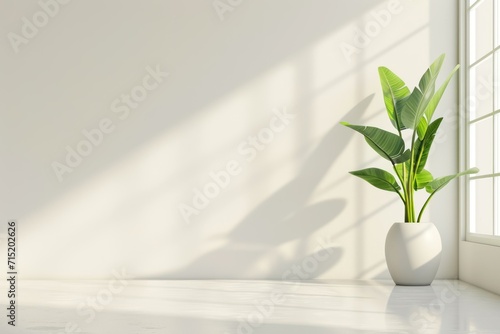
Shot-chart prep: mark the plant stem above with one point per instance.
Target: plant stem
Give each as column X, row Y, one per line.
column 424, row 206
column 402, row 198
column 411, row 181
column 401, row 180
column 403, row 185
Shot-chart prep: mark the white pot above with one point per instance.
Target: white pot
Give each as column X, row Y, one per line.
column 413, row 253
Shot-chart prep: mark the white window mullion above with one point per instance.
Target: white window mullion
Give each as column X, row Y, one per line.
column 495, row 106
column 470, row 212
column 496, row 183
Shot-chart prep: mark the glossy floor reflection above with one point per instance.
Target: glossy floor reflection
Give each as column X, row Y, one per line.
column 227, row 307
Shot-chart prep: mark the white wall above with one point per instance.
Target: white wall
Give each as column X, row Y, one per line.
column 118, row 208
column 475, row 265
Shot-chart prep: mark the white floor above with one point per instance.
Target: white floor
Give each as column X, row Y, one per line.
column 227, row 307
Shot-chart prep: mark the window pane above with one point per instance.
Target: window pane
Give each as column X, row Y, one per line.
column 481, row 209
column 481, row 29
column 481, row 145
column 481, row 89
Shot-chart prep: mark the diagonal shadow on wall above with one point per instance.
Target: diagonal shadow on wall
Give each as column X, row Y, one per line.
column 285, row 215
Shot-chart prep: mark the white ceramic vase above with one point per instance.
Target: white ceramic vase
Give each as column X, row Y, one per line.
column 413, row 253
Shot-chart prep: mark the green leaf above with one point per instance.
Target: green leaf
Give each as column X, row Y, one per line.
column 399, row 110
column 416, row 104
column 403, row 157
column 441, row 182
column 429, row 77
column 394, row 90
column 422, row 147
column 422, row 179
column 403, row 173
column 433, row 103
column 387, row 144
column 378, row 178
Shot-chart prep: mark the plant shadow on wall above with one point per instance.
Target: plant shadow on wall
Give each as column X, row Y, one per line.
column 283, row 217
column 240, row 58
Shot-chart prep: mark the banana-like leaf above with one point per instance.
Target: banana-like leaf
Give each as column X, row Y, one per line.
column 378, row 178
column 403, row 157
column 387, row 144
column 441, row 182
column 403, row 174
column 416, row 104
column 422, row 179
column 399, row 109
column 422, row 147
column 433, row 103
column 394, row 90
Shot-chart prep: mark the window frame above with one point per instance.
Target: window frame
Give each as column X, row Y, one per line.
column 464, row 124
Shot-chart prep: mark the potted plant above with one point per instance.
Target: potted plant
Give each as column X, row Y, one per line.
column 412, row 248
